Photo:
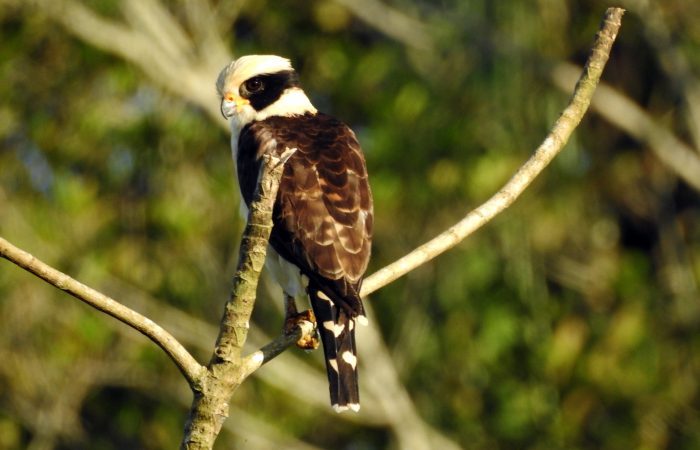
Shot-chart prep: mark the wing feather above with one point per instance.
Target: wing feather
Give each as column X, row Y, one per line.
column 323, row 215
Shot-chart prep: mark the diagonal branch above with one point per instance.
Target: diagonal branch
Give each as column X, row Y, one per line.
column 552, row 145
column 189, row 367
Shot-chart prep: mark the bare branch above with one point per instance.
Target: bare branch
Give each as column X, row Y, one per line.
column 189, row 367
column 225, row 371
column 552, row 145
column 624, row 113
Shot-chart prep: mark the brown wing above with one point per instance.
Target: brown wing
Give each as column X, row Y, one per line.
column 323, row 214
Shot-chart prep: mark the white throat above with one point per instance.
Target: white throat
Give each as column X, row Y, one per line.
column 292, row 102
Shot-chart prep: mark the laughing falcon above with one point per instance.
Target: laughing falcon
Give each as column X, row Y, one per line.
column 322, row 218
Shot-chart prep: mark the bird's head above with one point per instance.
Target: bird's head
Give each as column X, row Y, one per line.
column 255, row 87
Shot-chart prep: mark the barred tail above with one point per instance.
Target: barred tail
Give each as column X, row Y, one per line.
column 337, row 331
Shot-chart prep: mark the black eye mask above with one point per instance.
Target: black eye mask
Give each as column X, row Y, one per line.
column 264, row 90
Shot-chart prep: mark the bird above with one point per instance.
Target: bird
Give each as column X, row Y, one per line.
column 320, row 243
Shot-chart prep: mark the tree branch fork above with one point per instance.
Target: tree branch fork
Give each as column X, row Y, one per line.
column 214, row 384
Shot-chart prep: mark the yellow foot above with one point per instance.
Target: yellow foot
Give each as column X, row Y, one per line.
column 290, row 324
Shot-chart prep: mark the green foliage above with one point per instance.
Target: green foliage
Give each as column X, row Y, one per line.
column 571, row 321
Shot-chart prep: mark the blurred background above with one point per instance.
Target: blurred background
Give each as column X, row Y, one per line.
column 571, row 321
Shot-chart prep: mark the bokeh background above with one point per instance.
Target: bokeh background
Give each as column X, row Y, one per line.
column 571, row 321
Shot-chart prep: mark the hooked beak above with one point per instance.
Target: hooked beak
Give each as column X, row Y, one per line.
column 231, row 104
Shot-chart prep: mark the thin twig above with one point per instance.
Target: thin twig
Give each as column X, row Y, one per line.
column 252, row 362
column 552, row 145
column 189, row 367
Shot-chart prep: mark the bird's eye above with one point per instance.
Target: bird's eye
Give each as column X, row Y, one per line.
column 253, row 85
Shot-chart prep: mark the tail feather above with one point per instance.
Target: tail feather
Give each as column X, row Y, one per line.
column 337, row 331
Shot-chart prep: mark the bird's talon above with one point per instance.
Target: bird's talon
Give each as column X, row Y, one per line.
column 307, row 342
